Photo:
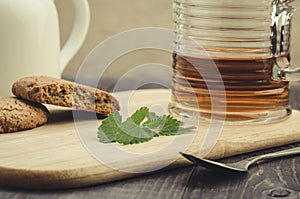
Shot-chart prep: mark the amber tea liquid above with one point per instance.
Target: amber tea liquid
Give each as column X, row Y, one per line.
column 242, row 39
column 250, row 94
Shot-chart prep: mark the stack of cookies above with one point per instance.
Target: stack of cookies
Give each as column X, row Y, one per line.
column 26, row 110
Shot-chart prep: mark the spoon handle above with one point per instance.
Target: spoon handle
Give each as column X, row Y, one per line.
column 285, row 152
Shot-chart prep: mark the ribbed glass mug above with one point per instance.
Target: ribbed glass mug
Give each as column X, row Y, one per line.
column 248, row 42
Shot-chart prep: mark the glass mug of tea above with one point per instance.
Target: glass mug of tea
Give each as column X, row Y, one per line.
column 231, row 60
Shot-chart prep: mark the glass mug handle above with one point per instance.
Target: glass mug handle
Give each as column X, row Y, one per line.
column 283, row 11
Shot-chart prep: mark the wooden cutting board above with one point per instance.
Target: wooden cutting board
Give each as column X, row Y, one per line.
column 65, row 153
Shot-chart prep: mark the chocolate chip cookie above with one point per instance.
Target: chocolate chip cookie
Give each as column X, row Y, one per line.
column 65, row 93
column 17, row 114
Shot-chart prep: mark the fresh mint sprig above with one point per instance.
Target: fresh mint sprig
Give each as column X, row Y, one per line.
column 141, row 127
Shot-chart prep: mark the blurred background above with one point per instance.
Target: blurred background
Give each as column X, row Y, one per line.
column 109, row 17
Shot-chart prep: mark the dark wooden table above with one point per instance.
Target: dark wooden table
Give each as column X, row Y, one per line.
column 278, row 178
column 273, row 179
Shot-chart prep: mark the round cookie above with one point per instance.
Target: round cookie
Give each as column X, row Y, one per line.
column 49, row 90
column 17, row 114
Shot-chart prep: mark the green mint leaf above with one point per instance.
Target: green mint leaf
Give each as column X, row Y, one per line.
column 131, row 133
column 179, row 131
column 155, row 125
column 140, row 115
column 142, row 126
column 107, row 131
column 152, row 116
column 153, row 122
column 166, row 125
column 170, row 126
column 183, row 130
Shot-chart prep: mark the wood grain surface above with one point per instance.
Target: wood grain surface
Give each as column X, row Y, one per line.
column 54, row 156
column 272, row 179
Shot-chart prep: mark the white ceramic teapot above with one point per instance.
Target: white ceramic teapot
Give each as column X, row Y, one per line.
column 30, row 40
